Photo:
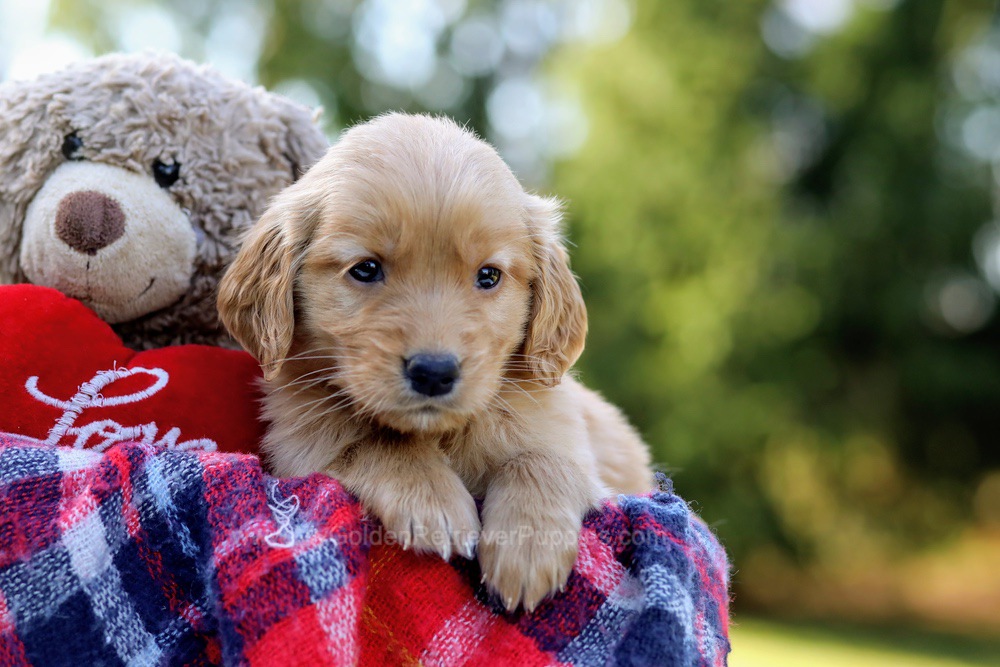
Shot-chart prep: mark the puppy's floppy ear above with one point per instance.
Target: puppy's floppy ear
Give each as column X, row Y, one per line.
column 558, row 323
column 256, row 294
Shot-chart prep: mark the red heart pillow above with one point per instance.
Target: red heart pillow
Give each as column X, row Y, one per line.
column 66, row 378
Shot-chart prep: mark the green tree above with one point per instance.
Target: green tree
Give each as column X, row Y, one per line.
column 765, row 245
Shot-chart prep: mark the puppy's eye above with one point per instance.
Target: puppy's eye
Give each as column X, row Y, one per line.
column 71, row 146
column 165, row 174
column 368, row 271
column 488, row 277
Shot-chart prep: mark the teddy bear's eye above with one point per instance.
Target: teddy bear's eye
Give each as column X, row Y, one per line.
column 166, row 174
column 71, row 146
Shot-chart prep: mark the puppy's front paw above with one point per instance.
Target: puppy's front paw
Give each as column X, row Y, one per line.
column 434, row 514
column 526, row 556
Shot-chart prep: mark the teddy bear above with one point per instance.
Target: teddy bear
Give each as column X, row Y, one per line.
column 127, row 180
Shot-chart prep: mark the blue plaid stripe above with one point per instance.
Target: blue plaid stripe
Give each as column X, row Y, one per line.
column 593, row 646
column 148, row 576
column 36, row 589
column 18, row 463
column 322, row 569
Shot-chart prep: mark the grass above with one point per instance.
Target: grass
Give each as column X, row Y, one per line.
column 764, row 643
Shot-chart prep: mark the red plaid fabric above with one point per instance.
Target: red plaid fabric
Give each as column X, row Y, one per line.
column 146, row 556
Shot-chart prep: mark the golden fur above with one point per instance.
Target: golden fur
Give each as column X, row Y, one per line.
column 433, row 204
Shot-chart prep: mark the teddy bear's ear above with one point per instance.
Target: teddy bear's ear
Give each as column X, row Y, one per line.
column 304, row 142
column 30, row 139
column 10, row 241
column 256, row 294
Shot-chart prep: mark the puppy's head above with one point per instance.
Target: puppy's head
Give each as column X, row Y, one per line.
column 410, row 273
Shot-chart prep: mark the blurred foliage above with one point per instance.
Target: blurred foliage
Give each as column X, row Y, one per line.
column 763, row 315
column 787, row 258
column 312, row 40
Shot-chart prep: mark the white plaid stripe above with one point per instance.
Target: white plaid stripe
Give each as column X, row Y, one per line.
column 594, row 644
column 243, row 539
column 71, row 460
column 596, row 561
column 91, row 560
column 123, row 629
column 160, row 472
column 664, row 590
column 338, row 616
column 458, row 636
column 85, row 541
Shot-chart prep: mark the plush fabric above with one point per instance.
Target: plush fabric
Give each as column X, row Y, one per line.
column 90, row 391
column 139, row 116
column 145, row 556
column 167, row 552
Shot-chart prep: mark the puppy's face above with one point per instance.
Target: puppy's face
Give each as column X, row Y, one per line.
column 411, row 274
column 420, row 296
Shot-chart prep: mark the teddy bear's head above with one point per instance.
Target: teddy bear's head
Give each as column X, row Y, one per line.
column 127, row 180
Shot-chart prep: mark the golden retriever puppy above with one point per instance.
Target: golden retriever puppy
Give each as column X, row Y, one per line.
column 415, row 315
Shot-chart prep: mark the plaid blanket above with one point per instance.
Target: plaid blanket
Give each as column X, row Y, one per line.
column 145, row 556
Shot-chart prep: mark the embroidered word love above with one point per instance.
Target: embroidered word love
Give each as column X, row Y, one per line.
column 106, row 432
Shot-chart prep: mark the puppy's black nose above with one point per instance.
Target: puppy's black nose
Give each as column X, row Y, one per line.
column 432, row 374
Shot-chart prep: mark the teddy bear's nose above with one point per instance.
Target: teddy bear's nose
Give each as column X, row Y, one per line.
column 88, row 221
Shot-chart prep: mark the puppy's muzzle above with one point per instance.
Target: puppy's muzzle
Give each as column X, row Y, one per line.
column 432, row 374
